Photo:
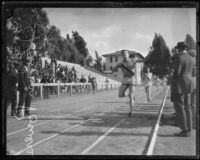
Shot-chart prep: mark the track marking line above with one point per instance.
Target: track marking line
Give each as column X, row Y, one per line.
column 155, row 132
column 51, row 137
column 48, row 138
column 11, row 133
column 101, row 138
column 14, row 132
column 110, row 130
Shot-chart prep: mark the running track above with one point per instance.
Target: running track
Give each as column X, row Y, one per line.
column 88, row 124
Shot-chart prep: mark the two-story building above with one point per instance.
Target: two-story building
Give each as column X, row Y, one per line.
column 112, row 59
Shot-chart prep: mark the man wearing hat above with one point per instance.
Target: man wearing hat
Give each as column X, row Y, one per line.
column 24, row 89
column 182, row 87
column 192, row 53
column 11, row 87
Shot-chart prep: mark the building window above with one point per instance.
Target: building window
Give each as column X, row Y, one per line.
column 116, row 59
column 111, row 59
column 111, row 67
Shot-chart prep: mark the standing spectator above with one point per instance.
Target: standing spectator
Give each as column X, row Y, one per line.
column 50, row 80
column 89, row 79
column 94, row 84
column 75, row 75
column 73, row 69
column 147, row 82
column 183, row 86
column 106, row 83
column 83, row 80
column 66, row 69
column 24, row 89
column 193, row 95
column 11, row 90
column 44, row 80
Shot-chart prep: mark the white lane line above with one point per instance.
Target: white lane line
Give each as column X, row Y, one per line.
column 48, row 138
column 153, row 139
column 106, row 133
column 58, row 133
column 11, row 133
column 68, row 129
column 101, row 138
column 14, row 132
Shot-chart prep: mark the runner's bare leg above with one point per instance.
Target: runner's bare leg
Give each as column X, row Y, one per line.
column 131, row 99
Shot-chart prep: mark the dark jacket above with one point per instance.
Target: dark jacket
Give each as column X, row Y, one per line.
column 44, row 79
column 12, row 80
column 83, row 80
column 24, row 79
column 182, row 81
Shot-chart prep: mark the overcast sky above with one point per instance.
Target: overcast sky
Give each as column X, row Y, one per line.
column 110, row 29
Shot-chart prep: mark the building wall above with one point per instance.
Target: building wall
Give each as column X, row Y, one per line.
column 118, row 74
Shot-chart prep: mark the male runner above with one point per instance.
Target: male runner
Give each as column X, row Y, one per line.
column 127, row 66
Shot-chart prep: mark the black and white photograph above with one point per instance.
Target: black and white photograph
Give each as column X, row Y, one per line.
column 100, row 79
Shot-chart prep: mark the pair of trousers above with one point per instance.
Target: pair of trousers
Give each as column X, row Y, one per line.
column 11, row 97
column 182, row 104
column 24, row 98
column 46, row 91
column 193, row 105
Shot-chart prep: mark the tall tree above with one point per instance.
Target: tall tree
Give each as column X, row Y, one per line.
column 98, row 61
column 54, row 42
column 190, row 42
column 80, row 43
column 29, row 26
column 159, row 56
column 89, row 60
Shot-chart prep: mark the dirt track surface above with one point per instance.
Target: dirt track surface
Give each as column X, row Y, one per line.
column 91, row 124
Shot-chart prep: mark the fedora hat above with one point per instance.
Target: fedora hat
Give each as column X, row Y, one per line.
column 181, row 45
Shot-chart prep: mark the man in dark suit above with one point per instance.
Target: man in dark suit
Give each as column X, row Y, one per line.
column 193, row 95
column 24, row 89
column 11, row 88
column 183, row 85
column 46, row 89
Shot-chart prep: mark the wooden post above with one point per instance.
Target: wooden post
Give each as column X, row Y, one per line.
column 111, row 86
column 41, row 92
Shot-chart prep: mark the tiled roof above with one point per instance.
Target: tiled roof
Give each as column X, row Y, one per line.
column 119, row 52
